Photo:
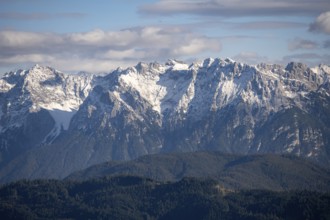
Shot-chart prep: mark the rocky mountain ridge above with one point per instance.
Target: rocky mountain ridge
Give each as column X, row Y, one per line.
column 215, row 104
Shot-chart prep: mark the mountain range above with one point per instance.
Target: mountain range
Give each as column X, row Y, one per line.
column 53, row 123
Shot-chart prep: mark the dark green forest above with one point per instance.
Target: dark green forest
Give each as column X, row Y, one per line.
column 131, row 197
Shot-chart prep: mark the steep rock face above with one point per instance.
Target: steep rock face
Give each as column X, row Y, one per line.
column 36, row 106
column 120, row 118
column 215, row 104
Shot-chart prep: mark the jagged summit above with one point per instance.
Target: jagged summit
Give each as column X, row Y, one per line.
column 213, row 104
column 159, row 83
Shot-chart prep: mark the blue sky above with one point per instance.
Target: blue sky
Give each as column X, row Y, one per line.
column 100, row 35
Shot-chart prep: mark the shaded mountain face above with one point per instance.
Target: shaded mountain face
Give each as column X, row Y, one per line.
column 52, row 123
column 234, row 172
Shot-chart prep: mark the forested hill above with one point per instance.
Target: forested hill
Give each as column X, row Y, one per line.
column 270, row 172
column 129, row 197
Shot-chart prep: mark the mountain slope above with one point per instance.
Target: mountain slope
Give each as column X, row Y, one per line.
column 270, row 172
column 52, row 123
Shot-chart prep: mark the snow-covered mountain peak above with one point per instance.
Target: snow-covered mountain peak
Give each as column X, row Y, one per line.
column 43, row 88
column 216, row 63
column 9, row 80
column 212, row 84
column 141, row 67
column 295, row 67
column 321, row 69
column 174, row 64
column 144, row 79
column 172, row 87
column 229, row 60
column 36, row 66
column 17, row 73
column 206, row 63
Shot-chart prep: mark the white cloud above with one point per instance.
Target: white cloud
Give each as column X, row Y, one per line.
column 322, row 23
column 198, row 45
column 92, row 37
column 20, row 39
column 100, row 50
